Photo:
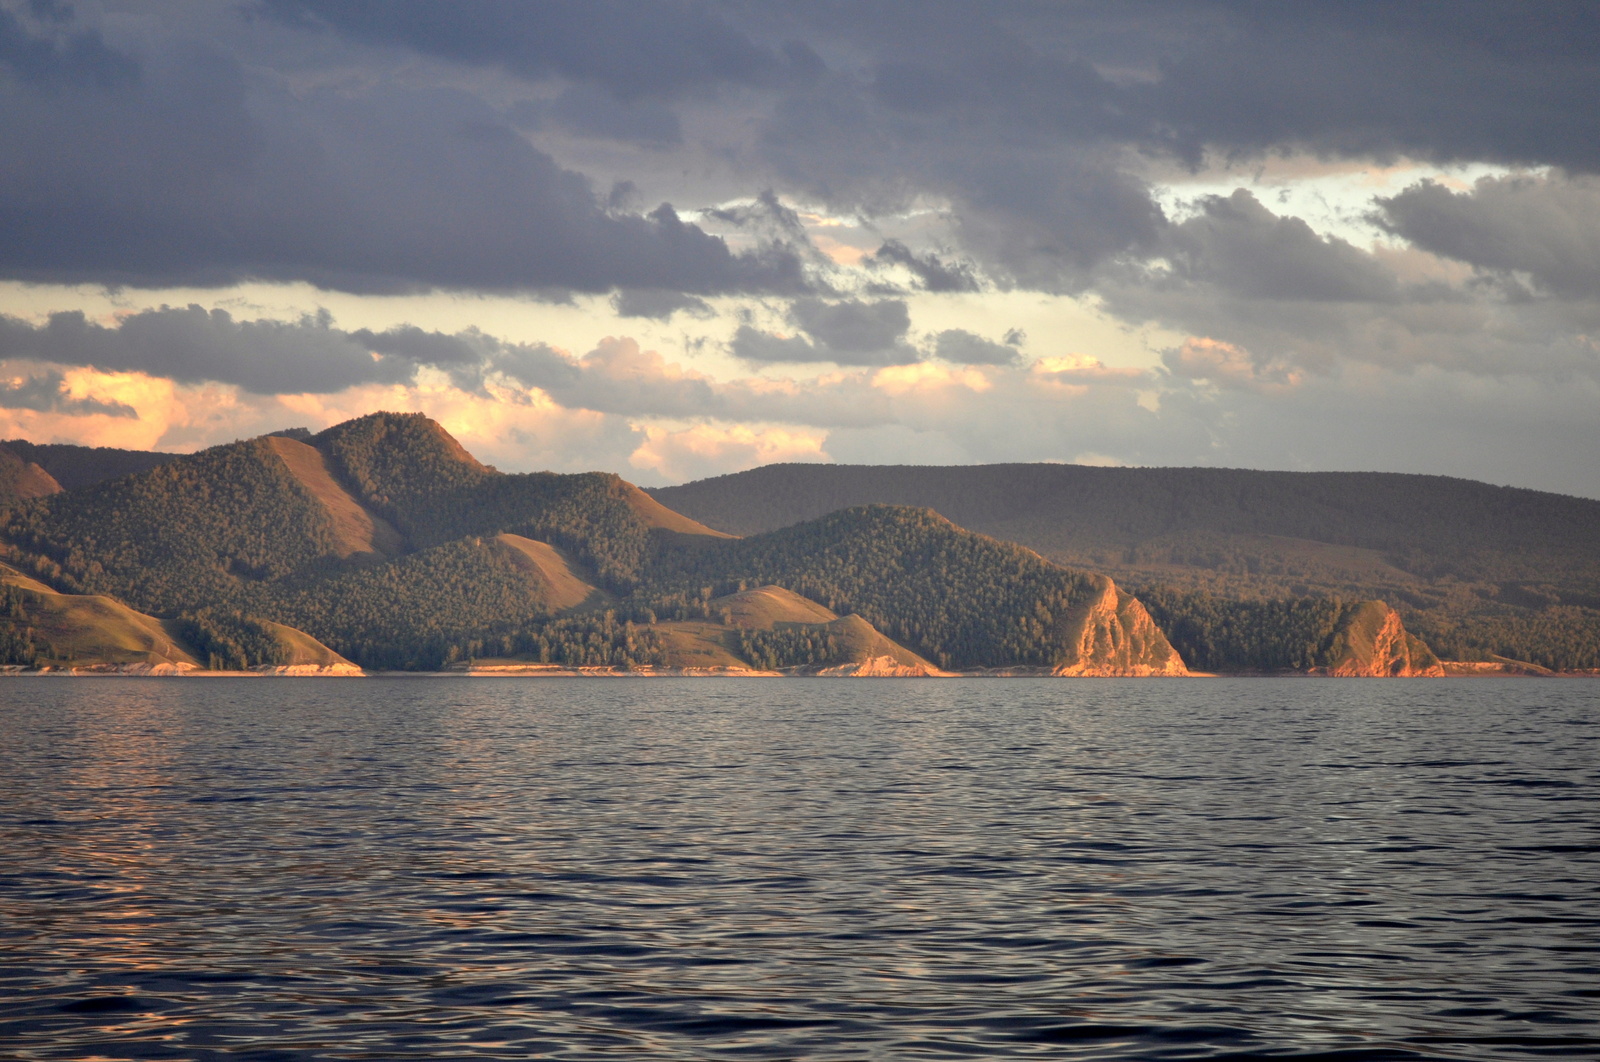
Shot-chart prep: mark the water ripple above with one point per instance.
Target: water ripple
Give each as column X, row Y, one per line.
column 822, row 870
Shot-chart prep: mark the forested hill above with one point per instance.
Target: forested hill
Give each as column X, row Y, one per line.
column 80, row 466
column 1473, row 568
column 388, row 543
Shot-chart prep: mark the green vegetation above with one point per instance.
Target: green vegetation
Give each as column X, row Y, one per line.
column 82, row 466
column 193, row 533
column 1215, row 633
column 1473, row 569
column 956, row 598
column 229, row 542
column 798, row 645
column 231, row 641
column 17, row 644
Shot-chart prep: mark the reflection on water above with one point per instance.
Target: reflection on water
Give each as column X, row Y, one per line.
column 824, row 870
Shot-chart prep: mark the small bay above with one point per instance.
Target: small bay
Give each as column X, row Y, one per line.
column 438, row 868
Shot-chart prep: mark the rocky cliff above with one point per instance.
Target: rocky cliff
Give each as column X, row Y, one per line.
column 1112, row 634
column 1371, row 642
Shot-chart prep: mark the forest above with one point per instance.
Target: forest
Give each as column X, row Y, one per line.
column 225, row 540
column 1474, row 569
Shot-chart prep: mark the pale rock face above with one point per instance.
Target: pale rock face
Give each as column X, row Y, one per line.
column 879, row 667
column 1112, row 635
column 1393, row 652
column 340, row 670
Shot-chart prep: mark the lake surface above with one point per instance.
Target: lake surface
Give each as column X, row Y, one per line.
column 823, row 869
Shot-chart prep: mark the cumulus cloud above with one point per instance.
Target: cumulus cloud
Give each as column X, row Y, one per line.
column 1239, row 245
column 1227, row 365
column 845, row 332
column 1546, row 227
column 964, row 348
column 50, row 393
column 675, row 456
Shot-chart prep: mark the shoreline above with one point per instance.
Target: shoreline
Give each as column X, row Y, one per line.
column 1453, row 669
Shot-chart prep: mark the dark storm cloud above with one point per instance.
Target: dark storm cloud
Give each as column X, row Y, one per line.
column 1018, row 112
column 1240, row 245
column 48, row 57
column 752, row 344
column 198, row 174
column 1546, row 227
column 853, row 327
column 632, row 49
column 846, row 332
column 1441, row 79
column 592, row 112
column 141, row 156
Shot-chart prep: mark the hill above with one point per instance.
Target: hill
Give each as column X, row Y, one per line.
column 81, row 466
column 959, row 599
column 1473, row 569
column 388, row 543
column 21, row 480
column 42, row 628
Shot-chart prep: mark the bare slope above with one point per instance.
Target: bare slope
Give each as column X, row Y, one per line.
column 1372, row 642
column 355, row 530
column 767, row 606
column 562, row 585
column 771, row 629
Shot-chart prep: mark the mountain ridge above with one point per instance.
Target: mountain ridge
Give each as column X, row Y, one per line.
column 387, row 543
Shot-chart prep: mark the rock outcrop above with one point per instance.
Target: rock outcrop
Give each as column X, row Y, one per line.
column 1371, row 642
column 1111, row 635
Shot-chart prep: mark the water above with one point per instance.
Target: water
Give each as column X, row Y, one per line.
column 870, row 869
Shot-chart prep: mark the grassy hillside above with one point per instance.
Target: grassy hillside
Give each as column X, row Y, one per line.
column 40, row 627
column 1473, row 569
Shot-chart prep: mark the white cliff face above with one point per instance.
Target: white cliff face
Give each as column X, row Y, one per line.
column 1112, row 635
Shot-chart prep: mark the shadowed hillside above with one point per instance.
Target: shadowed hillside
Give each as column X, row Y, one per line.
column 80, row 466
column 1473, row 569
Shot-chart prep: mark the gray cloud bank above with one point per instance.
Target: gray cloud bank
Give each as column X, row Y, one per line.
column 295, row 140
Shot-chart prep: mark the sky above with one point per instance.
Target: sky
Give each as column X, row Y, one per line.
column 680, row 239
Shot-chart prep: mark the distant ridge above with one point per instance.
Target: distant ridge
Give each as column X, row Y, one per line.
column 80, row 466
column 1472, row 568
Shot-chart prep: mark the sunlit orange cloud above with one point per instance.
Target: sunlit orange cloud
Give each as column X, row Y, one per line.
column 925, row 376
column 1229, row 365
column 168, row 415
column 518, row 430
column 1078, row 369
column 707, row 450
